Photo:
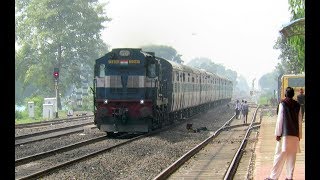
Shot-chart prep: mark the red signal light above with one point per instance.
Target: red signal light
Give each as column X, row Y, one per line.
column 56, row 73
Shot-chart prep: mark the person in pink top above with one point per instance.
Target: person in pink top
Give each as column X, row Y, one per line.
column 288, row 132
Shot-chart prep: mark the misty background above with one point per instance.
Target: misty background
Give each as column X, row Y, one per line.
column 239, row 40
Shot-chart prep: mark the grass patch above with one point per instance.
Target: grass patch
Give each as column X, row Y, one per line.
column 23, row 117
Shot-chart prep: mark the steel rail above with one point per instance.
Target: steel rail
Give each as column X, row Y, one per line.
column 72, row 161
column 52, row 135
column 49, row 122
column 178, row 163
column 51, row 131
column 236, row 159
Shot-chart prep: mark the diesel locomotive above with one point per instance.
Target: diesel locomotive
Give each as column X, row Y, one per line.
column 296, row 81
column 136, row 91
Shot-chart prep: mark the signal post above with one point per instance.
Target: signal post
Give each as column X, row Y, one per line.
column 56, row 78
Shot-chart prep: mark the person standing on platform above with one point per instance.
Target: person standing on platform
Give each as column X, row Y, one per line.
column 288, row 132
column 300, row 99
column 237, row 108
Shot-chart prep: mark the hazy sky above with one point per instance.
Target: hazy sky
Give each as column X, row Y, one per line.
column 237, row 34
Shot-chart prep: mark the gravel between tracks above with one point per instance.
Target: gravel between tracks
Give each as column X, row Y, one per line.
column 145, row 158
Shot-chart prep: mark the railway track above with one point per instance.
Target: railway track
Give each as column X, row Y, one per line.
column 217, row 157
column 52, row 122
column 27, row 171
column 46, row 168
column 28, row 159
column 38, row 136
column 113, row 154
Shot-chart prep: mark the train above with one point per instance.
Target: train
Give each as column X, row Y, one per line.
column 134, row 91
column 296, row 81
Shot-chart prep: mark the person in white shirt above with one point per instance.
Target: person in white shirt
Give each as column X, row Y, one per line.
column 288, row 132
column 237, row 108
column 245, row 111
column 241, row 108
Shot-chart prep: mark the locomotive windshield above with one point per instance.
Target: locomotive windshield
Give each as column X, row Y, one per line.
column 296, row 82
column 117, row 81
column 152, row 70
column 102, row 70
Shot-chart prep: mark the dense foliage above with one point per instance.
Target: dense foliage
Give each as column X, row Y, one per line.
column 292, row 47
column 163, row 51
column 55, row 33
column 292, row 57
column 239, row 82
column 268, row 82
column 207, row 64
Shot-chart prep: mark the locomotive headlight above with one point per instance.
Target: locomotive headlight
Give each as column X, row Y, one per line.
column 105, row 101
column 141, row 101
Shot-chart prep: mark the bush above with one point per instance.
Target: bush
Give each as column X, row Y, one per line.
column 18, row 115
column 265, row 98
column 22, row 117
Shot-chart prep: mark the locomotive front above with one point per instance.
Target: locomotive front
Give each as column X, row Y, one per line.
column 124, row 89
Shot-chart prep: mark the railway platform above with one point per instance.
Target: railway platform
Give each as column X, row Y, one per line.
column 265, row 148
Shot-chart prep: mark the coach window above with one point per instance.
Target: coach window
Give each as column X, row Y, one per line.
column 102, row 70
column 151, row 70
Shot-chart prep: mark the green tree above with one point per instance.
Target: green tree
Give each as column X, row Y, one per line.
column 208, row 65
column 241, row 88
column 269, row 82
column 288, row 60
column 55, row 33
column 297, row 8
column 163, row 51
column 203, row 63
column 87, row 102
column 22, row 92
column 293, row 47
